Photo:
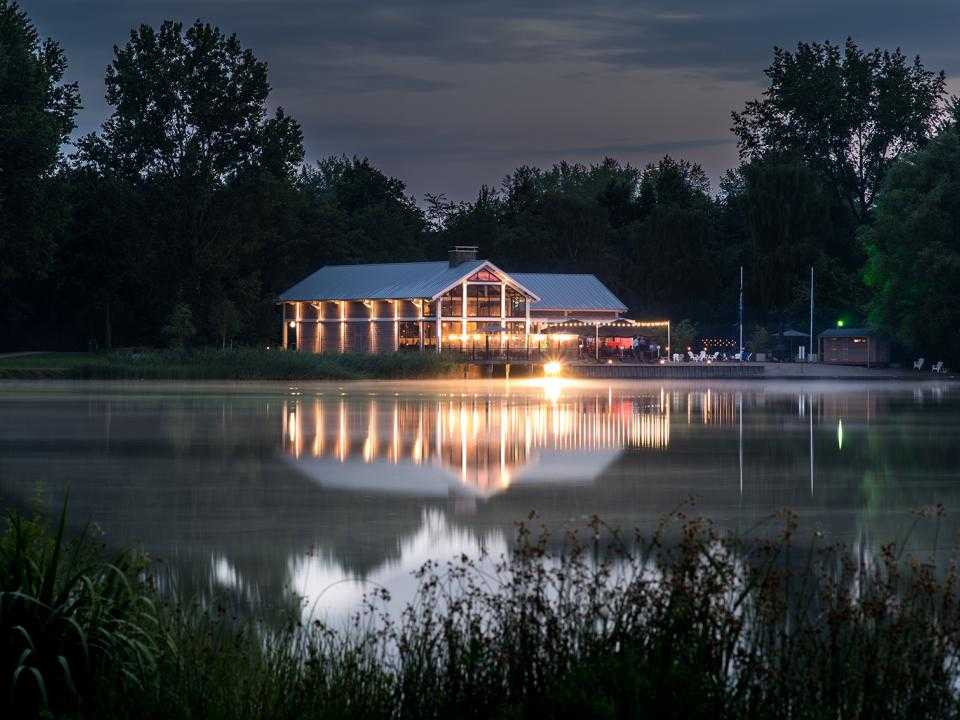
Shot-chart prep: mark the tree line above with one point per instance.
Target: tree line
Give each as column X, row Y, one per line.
column 193, row 205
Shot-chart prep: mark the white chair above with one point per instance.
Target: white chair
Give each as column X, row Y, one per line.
column 918, row 364
column 713, row 358
column 693, row 358
column 677, row 357
column 938, row 367
column 702, row 356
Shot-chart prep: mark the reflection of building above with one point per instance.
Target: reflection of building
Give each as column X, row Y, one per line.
column 484, row 442
column 460, row 304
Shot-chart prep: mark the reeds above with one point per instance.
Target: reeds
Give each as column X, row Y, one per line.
column 258, row 364
column 689, row 622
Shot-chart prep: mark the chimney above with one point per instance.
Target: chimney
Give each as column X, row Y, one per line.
column 460, row 254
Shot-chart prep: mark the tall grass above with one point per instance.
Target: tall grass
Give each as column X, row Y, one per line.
column 73, row 625
column 598, row 626
column 229, row 364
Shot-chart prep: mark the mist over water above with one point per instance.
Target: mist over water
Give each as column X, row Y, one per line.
column 312, row 495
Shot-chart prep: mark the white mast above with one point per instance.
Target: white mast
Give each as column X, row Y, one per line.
column 810, row 342
column 741, row 314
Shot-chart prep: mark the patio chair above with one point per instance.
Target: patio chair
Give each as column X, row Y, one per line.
column 693, row 358
column 677, row 357
column 713, row 358
column 749, row 357
column 918, row 364
column 938, row 367
column 702, row 356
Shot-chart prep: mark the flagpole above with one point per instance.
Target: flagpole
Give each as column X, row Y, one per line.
column 741, row 314
column 810, row 343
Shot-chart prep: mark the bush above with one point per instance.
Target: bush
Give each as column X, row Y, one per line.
column 257, row 364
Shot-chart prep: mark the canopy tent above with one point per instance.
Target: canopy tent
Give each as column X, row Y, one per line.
column 620, row 328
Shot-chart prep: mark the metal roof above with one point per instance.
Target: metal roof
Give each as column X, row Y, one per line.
column 569, row 292
column 848, row 332
column 386, row 281
column 381, row 281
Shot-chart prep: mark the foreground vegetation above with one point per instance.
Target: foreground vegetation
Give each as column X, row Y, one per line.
column 229, row 364
column 701, row 626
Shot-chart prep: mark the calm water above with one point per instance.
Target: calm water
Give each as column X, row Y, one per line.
column 271, row 492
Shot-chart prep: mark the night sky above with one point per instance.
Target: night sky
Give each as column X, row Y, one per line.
column 449, row 94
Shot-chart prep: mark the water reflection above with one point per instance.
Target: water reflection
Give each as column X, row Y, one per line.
column 471, row 443
column 272, row 493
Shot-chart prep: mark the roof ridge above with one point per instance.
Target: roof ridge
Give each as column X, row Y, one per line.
column 383, row 264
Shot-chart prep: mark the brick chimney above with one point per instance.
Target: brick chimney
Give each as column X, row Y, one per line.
column 460, row 254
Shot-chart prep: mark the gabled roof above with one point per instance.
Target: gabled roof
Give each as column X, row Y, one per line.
column 387, row 281
column 569, row 292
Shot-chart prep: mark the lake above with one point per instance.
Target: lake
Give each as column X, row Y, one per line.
column 313, row 494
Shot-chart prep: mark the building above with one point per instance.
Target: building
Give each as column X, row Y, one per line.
column 457, row 304
column 854, row 346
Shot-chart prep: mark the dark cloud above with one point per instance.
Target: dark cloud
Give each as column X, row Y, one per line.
column 452, row 93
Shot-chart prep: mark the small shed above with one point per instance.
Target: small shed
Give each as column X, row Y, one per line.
column 790, row 341
column 854, row 346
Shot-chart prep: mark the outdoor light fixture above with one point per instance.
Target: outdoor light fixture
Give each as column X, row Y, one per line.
column 839, row 323
column 552, row 368
column 293, row 323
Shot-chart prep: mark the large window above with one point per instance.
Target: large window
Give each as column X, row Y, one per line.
column 408, row 336
column 483, row 301
column 516, row 303
column 451, row 304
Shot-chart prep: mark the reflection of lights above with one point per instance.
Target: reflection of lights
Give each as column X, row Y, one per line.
column 551, row 391
column 552, row 368
column 486, row 441
column 840, row 434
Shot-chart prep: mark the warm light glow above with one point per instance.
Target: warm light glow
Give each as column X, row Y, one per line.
column 552, row 368
column 292, row 324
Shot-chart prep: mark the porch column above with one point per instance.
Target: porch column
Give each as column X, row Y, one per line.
column 297, row 314
column 503, row 315
column 526, row 324
column 283, row 323
column 439, row 317
column 343, row 325
column 419, row 304
column 396, row 325
column 463, row 315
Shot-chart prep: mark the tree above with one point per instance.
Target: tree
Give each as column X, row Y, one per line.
column 225, row 320
column 780, row 218
column 847, row 112
column 683, row 334
column 180, row 328
column 37, row 111
column 212, row 171
column 913, row 249
column 760, row 341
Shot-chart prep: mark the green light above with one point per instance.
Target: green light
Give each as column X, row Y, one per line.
column 839, row 323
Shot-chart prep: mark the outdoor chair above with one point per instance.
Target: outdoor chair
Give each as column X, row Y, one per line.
column 938, row 367
column 918, row 364
column 693, row 358
column 702, row 356
column 713, row 358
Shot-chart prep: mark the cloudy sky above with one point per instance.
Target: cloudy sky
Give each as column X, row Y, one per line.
column 449, row 94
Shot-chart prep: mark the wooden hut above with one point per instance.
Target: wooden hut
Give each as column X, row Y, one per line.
column 854, row 346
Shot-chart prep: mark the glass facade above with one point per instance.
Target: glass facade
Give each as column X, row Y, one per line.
column 516, row 303
column 483, row 300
